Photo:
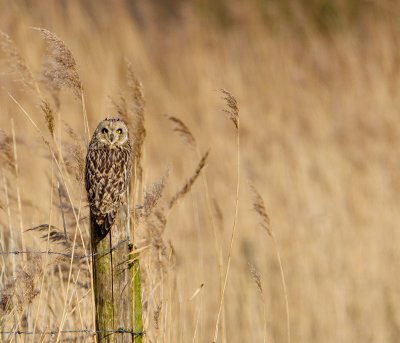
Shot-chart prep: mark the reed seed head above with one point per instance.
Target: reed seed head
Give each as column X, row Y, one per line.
column 75, row 156
column 156, row 315
column 60, row 69
column 232, row 107
column 184, row 132
column 259, row 207
column 16, row 63
column 151, row 197
column 6, row 150
column 48, row 116
column 189, row 183
column 255, row 276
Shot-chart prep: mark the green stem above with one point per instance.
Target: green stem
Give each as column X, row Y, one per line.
column 136, row 297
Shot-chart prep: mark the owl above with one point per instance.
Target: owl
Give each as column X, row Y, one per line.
column 107, row 172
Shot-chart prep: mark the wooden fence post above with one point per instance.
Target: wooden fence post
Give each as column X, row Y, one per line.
column 113, row 281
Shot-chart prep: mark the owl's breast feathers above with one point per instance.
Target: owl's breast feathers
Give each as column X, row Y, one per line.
column 107, row 177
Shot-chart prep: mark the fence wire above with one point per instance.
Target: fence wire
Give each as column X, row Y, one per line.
column 59, row 253
column 87, row 331
column 69, row 255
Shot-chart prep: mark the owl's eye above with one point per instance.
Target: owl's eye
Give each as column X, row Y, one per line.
column 104, row 130
column 119, row 131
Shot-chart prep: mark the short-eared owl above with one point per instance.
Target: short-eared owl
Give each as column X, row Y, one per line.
column 107, row 171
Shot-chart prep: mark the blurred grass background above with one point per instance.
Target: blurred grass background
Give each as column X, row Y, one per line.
column 317, row 85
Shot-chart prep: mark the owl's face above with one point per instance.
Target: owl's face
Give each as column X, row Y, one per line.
column 112, row 132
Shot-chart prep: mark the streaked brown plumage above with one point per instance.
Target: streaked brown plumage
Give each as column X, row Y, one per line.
column 108, row 171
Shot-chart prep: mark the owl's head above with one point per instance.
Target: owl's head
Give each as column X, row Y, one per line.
column 112, row 132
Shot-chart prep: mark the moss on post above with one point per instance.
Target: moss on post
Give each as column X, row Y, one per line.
column 134, row 269
column 136, row 296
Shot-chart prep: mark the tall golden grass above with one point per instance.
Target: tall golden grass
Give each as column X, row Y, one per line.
column 317, row 85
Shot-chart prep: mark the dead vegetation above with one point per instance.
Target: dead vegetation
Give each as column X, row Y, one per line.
column 318, row 135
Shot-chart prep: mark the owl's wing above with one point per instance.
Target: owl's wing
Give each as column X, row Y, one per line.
column 92, row 172
column 107, row 178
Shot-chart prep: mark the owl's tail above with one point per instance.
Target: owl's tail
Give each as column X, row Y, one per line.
column 109, row 220
column 103, row 224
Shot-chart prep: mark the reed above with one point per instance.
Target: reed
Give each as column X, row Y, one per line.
column 232, row 110
column 259, row 208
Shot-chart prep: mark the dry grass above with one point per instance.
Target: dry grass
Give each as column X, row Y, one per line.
column 317, row 86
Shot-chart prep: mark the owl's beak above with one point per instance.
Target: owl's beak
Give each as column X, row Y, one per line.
column 112, row 137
